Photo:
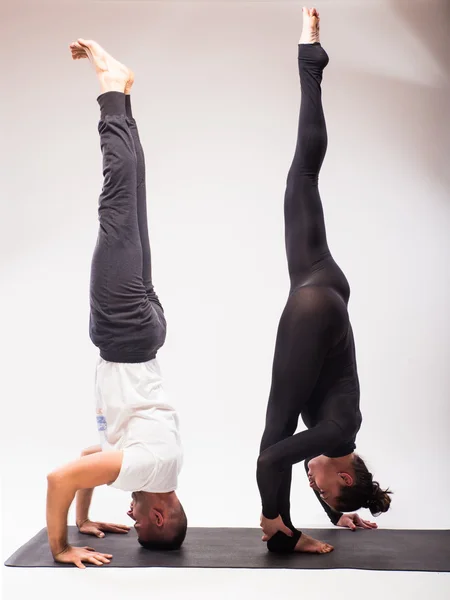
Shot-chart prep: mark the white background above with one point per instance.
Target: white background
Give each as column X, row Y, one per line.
column 216, row 98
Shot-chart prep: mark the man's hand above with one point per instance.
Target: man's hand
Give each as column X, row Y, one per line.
column 99, row 529
column 87, row 472
column 271, row 526
column 75, row 555
column 354, row 521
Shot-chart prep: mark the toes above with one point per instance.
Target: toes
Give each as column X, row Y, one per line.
column 85, row 43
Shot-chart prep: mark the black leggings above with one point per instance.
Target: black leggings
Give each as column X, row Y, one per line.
column 127, row 323
column 314, row 334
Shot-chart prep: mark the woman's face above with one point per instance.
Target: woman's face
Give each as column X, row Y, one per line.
column 325, row 479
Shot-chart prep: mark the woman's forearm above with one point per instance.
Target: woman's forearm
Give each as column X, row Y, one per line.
column 60, row 495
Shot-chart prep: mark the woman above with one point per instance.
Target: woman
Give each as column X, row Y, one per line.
column 314, row 370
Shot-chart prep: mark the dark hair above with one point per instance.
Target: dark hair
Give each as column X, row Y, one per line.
column 171, row 536
column 364, row 493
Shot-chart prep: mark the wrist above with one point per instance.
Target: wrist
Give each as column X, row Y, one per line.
column 59, row 548
column 270, row 515
column 81, row 522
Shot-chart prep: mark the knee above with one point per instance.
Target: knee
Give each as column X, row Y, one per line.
column 278, row 429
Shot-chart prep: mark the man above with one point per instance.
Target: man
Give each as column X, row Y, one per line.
column 140, row 448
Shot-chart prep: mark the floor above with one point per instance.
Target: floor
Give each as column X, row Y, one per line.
column 220, row 584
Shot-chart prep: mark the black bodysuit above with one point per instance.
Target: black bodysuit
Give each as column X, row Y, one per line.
column 314, row 368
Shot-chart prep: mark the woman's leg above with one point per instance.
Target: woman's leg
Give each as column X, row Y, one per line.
column 305, row 332
column 142, row 206
column 306, row 242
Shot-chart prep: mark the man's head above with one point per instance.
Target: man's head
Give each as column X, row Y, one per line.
column 346, row 484
column 160, row 520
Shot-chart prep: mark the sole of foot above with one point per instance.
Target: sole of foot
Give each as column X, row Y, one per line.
column 311, row 26
column 113, row 75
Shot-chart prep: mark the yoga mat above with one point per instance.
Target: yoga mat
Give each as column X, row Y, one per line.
column 233, row 548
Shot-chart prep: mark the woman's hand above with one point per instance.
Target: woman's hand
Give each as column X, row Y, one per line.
column 99, row 529
column 78, row 556
column 354, row 521
column 271, row 526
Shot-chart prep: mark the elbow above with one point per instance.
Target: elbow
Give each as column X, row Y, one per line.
column 263, row 462
column 266, row 466
column 55, row 479
column 51, row 479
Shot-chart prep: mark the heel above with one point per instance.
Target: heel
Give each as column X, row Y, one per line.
column 313, row 55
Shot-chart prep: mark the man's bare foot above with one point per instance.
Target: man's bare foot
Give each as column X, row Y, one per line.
column 309, row 544
column 311, row 26
column 113, row 75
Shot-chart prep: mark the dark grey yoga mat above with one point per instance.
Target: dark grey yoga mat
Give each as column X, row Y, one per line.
column 232, row 548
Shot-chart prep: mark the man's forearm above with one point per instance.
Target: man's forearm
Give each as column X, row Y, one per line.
column 60, row 496
column 84, row 497
column 83, row 503
column 83, row 474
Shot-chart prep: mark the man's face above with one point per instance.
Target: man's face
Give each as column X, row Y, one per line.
column 138, row 513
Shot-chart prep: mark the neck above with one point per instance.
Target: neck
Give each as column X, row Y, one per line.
column 154, row 498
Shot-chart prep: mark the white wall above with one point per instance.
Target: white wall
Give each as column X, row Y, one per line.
column 216, row 98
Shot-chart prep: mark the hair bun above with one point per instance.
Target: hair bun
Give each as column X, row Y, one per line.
column 380, row 500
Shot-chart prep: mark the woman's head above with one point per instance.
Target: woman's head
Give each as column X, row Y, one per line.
column 346, row 484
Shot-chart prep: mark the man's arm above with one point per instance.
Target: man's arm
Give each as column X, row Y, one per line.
column 84, row 497
column 85, row 473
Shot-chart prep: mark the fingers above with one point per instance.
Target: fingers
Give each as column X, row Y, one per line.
column 287, row 531
column 101, row 558
column 368, row 524
column 112, row 528
column 79, row 564
column 265, row 538
column 98, row 558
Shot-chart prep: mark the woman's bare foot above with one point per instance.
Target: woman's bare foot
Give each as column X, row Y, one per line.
column 311, row 26
column 113, row 75
column 309, row 544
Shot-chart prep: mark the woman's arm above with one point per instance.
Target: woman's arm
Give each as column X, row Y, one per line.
column 275, row 460
column 84, row 473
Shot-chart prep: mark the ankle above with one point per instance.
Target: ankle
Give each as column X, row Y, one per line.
column 111, row 85
column 310, row 37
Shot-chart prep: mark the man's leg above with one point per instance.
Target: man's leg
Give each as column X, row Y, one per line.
column 117, row 290
column 124, row 325
column 142, row 206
